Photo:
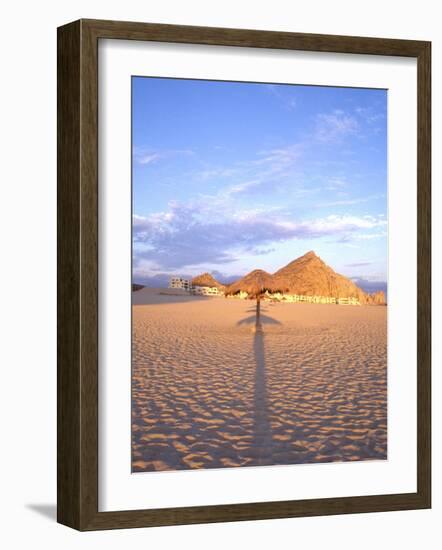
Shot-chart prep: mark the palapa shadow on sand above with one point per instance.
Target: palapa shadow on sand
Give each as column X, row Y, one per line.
column 261, row 445
column 258, row 319
column 262, row 434
column 265, row 319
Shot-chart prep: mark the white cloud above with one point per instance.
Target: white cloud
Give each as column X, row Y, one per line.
column 189, row 235
column 280, row 158
column 335, row 126
column 369, row 236
column 148, row 156
column 284, row 94
column 335, row 183
column 254, row 176
column 214, row 173
column 349, row 202
column 369, row 115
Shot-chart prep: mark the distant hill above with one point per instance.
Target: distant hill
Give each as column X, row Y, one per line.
column 308, row 276
column 370, row 286
column 135, row 287
column 206, row 279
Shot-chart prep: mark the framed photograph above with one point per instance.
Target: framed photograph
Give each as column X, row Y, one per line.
column 243, row 274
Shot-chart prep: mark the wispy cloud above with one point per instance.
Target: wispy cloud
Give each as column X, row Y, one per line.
column 190, row 235
column 369, row 115
column 255, row 175
column 217, row 173
column 370, row 236
column 336, row 183
column 358, row 264
column 148, row 156
column 285, row 97
column 281, row 158
column 241, row 188
column 334, row 126
column 349, row 202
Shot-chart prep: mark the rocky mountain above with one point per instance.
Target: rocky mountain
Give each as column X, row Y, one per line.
column 308, row 276
column 206, row 279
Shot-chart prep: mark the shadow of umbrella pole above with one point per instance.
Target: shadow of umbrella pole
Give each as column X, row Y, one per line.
column 258, row 325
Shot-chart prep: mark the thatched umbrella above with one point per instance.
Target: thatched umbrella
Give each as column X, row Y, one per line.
column 206, row 279
column 255, row 284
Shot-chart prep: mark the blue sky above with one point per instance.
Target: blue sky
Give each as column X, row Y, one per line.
column 229, row 177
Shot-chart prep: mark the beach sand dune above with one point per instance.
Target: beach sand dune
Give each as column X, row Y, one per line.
column 208, row 391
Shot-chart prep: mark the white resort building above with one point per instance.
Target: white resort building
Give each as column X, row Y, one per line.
column 179, row 282
column 241, row 295
column 207, row 291
column 349, row 302
column 318, row 299
column 295, row 298
column 309, row 299
column 186, row 284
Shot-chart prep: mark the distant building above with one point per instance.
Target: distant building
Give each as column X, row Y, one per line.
column 207, row 291
column 349, row 302
column 241, row 295
column 179, row 282
column 295, row 298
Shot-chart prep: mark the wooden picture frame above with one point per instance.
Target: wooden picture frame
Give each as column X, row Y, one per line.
column 78, row 274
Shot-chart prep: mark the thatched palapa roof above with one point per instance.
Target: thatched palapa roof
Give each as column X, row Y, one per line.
column 254, row 283
column 206, row 279
column 305, row 276
column 310, row 276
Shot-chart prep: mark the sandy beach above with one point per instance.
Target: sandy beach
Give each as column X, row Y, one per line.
column 208, row 391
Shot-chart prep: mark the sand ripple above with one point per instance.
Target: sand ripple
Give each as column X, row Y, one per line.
column 208, row 392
